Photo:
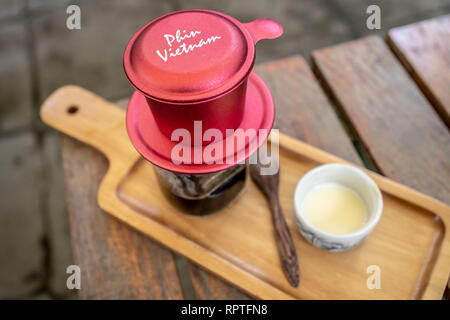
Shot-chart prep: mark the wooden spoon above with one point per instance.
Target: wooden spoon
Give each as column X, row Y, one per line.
column 288, row 255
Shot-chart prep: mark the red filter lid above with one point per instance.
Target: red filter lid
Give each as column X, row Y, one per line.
column 193, row 55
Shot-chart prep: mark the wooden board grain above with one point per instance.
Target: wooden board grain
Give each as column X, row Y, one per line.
column 253, row 264
column 424, row 49
column 400, row 129
column 104, row 248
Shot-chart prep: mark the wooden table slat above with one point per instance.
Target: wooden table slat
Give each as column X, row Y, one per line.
column 302, row 108
column 424, row 49
column 116, row 261
column 402, row 132
column 208, row 286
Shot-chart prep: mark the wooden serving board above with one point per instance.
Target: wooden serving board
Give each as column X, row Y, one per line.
column 411, row 243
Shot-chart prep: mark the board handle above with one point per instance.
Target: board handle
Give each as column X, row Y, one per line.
column 88, row 118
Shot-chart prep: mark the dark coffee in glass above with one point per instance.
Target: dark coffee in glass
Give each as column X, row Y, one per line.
column 202, row 194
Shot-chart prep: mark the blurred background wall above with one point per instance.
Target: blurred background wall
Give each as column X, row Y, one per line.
column 39, row 54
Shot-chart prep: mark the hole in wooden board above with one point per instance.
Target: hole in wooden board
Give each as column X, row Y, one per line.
column 72, row 109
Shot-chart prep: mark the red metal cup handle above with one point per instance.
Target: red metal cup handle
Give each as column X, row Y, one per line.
column 264, row 28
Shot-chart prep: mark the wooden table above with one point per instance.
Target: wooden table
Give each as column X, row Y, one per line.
column 382, row 104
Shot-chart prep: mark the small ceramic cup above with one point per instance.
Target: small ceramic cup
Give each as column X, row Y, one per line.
column 347, row 176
